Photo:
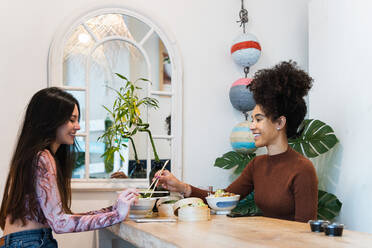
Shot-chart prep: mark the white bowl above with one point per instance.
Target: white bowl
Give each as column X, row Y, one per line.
column 222, row 205
column 142, row 207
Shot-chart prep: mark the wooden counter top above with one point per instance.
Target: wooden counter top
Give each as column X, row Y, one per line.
column 222, row 231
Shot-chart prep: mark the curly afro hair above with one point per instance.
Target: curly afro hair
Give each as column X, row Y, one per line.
column 280, row 91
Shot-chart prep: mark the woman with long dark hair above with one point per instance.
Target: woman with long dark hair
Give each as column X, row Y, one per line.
column 37, row 195
column 284, row 181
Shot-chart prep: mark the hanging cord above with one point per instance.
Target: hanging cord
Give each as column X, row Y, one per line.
column 246, row 71
column 243, row 15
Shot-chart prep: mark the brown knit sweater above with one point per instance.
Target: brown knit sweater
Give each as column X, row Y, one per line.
column 285, row 185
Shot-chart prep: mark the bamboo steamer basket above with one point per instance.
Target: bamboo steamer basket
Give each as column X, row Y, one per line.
column 166, row 210
column 194, row 213
column 189, row 213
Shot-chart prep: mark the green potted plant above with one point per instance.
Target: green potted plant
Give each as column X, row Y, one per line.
column 126, row 121
column 315, row 138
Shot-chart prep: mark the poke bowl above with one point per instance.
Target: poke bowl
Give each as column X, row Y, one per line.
column 222, row 202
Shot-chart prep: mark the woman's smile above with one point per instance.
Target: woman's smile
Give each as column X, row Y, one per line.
column 66, row 133
column 256, row 136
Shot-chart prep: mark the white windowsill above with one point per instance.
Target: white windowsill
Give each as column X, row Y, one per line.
column 107, row 184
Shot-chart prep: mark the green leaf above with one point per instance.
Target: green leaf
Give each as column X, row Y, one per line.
column 107, row 109
column 121, row 157
column 144, row 79
column 247, row 206
column 134, row 131
column 121, row 76
column 328, row 206
column 316, row 138
column 232, row 159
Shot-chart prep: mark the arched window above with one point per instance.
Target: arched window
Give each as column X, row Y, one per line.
column 84, row 58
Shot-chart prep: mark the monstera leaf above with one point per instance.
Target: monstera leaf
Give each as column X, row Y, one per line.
column 328, row 205
column 231, row 159
column 316, row 138
column 247, row 206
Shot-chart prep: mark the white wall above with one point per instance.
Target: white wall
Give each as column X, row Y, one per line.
column 204, row 31
column 340, row 62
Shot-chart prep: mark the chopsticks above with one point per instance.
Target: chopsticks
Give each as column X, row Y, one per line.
column 157, row 180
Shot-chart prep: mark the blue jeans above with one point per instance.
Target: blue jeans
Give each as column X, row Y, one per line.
column 32, row 238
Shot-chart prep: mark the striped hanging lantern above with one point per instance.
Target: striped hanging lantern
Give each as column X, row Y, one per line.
column 246, row 50
column 242, row 139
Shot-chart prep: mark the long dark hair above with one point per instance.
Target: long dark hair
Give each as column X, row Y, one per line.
column 48, row 109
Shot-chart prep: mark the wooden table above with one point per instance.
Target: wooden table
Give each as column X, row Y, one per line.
column 222, row 231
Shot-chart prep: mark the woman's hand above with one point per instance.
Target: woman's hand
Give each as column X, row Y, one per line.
column 126, row 199
column 171, row 183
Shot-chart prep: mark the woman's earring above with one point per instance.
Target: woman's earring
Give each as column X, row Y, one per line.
column 278, row 128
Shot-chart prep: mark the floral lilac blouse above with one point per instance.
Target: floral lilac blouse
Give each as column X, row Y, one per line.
column 50, row 205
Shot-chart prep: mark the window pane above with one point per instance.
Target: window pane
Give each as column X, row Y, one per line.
column 80, row 97
column 101, row 168
column 140, row 143
column 79, row 167
column 165, row 69
column 136, row 28
column 106, row 25
column 76, row 50
column 163, row 148
column 160, row 118
column 160, row 64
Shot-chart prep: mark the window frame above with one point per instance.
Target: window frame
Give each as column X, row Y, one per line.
column 55, row 78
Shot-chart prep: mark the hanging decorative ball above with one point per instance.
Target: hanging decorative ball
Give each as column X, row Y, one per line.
column 240, row 96
column 246, row 50
column 242, row 139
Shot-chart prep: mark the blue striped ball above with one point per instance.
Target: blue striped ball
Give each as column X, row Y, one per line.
column 241, row 138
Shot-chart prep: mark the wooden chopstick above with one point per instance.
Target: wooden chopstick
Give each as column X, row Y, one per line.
column 157, row 180
column 148, row 189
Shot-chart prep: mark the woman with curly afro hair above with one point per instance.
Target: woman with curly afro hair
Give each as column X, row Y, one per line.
column 284, row 181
